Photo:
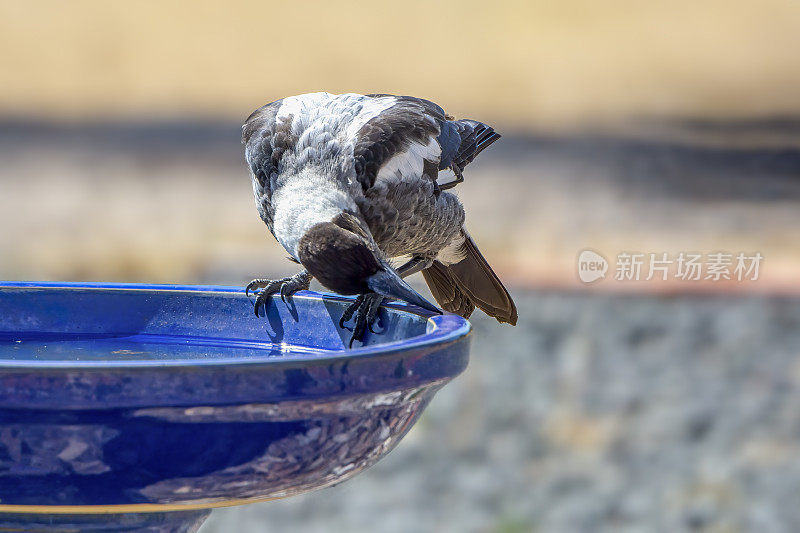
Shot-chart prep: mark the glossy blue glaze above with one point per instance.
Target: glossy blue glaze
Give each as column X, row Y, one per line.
column 150, row 395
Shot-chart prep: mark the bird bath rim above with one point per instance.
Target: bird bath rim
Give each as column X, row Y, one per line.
column 441, row 330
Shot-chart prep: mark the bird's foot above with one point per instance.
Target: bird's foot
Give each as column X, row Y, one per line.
column 286, row 286
column 365, row 309
column 451, row 184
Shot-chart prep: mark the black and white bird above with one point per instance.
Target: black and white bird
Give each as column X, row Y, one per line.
column 348, row 182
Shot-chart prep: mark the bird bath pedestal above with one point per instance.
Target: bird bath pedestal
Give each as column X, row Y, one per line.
column 140, row 408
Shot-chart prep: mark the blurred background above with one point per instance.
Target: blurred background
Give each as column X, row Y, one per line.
column 661, row 127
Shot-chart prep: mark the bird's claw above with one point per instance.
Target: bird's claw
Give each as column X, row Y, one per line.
column 285, row 292
column 261, row 299
column 256, row 284
column 268, row 287
column 351, row 309
column 365, row 308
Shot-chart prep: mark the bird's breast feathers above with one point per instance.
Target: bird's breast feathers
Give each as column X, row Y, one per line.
column 304, row 200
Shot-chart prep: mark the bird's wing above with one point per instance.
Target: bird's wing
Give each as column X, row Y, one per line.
column 416, row 134
column 401, row 138
column 265, row 140
column 257, row 134
column 470, row 283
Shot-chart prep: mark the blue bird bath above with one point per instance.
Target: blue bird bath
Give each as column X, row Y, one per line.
column 141, row 407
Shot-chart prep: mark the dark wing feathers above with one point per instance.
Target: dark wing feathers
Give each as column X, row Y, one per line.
column 261, row 118
column 265, row 142
column 450, row 142
column 410, row 120
column 461, row 287
column 446, row 291
column 418, row 120
column 257, row 136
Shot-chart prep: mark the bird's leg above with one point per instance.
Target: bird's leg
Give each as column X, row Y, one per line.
column 451, row 184
column 414, row 265
column 286, row 286
column 365, row 309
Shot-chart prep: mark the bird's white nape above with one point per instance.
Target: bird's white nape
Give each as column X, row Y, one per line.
column 348, row 112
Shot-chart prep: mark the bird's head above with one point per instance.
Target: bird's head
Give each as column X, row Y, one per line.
column 340, row 255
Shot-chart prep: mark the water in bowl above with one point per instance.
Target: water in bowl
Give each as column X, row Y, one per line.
column 140, row 348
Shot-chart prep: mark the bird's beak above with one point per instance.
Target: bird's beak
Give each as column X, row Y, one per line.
column 389, row 284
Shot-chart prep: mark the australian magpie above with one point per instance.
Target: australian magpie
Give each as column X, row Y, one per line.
column 348, row 182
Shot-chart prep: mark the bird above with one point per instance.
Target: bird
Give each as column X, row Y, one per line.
column 349, row 185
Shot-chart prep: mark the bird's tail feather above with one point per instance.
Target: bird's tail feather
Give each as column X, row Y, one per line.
column 475, row 138
column 484, row 137
column 470, row 283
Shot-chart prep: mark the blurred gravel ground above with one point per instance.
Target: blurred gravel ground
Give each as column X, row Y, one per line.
column 598, row 412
